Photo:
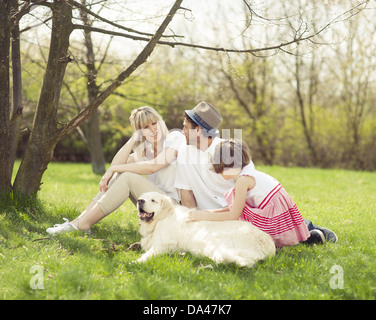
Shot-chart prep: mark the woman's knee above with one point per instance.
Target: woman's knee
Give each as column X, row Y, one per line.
column 127, row 176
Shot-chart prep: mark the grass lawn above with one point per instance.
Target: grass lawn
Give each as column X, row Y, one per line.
column 78, row 266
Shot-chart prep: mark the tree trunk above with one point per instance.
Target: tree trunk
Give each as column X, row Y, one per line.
column 93, row 136
column 92, row 131
column 16, row 110
column 308, row 129
column 5, row 31
column 44, row 133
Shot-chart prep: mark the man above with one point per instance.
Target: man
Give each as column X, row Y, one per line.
column 200, row 187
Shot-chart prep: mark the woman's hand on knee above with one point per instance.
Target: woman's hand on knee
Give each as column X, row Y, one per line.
column 103, row 184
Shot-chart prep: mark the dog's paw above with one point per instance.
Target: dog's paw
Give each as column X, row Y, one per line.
column 135, row 246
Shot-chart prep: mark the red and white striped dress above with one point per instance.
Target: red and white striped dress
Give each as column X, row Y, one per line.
column 269, row 207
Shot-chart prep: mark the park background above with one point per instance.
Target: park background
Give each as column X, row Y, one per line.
column 297, row 77
column 311, row 103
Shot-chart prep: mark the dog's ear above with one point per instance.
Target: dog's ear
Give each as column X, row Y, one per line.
column 167, row 206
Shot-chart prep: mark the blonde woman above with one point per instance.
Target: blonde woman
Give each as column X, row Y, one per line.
column 151, row 151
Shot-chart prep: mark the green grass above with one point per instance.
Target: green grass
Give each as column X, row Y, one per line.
column 77, row 266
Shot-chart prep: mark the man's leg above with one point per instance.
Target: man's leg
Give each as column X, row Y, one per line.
column 319, row 234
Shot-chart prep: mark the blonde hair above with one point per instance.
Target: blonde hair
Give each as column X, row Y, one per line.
column 140, row 118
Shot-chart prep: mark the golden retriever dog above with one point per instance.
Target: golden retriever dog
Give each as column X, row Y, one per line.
column 164, row 230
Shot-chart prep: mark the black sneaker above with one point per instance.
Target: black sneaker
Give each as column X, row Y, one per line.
column 317, row 237
column 329, row 235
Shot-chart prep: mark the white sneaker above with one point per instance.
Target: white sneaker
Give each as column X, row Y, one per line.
column 64, row 227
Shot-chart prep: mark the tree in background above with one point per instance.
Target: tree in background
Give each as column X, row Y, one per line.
column 92, row 132
column 47, row 130
column 356, row 63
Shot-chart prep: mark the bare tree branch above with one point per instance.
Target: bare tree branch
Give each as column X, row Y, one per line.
column 36, row 25
column 141, row 58
column 299, row 35
column 83, row 8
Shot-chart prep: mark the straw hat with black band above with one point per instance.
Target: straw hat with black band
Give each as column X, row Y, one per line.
column 207, row 117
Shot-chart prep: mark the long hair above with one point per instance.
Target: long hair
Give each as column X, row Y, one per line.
column 141, row 117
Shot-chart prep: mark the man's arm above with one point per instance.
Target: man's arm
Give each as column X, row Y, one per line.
column 164, row 159
column 187, row 198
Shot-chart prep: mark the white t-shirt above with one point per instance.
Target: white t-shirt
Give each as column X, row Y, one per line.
column 264, row 189
column 164, row 179
column 194, row 172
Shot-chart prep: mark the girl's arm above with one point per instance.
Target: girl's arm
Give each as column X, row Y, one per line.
column 242, row 185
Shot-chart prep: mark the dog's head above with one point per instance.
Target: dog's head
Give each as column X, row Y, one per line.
column 153, row 206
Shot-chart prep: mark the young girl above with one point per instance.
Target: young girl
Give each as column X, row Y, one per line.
column 256, row 197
